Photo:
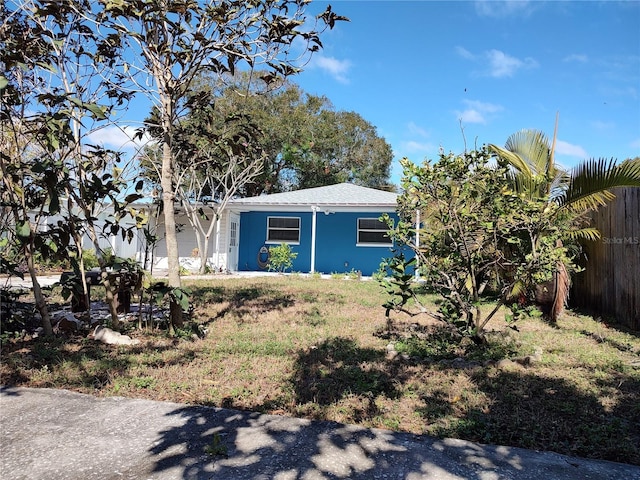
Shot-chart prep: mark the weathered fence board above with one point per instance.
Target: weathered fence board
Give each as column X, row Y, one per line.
column 610, row 284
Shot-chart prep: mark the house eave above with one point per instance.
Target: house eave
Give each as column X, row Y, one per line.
column 334, row 208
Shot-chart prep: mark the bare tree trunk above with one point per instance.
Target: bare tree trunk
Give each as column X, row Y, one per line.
column 204, row 251
column 563, row 282
column 77, row 238
column 111, row 301
column 552, row 296
column 41, row 304
column 104, row 276
column 168, row 197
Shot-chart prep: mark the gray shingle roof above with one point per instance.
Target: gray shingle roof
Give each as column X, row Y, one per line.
column 342, row 194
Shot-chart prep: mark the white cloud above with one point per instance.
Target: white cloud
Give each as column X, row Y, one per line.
column 413, row 146
column 499, row 63
column 576, row 57
column 503, row 65
column 565, row 148
column 417, row 130
column 598, row 125
column 119, row 138
column 629, row 92
column 477, row 112
column 484, row 106
column 506, row 8
column 472, row 116
column 464, row 53
column 338, row 69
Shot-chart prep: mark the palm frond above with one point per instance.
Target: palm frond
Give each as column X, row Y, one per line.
column 529, row 186
column 591, row 183
column 512, row 159
column 533, row 147
column 517, row 289
column 588, row 233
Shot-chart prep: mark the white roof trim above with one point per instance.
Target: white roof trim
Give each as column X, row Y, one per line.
column 340, row 195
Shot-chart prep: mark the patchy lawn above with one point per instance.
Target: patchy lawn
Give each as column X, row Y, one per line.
column 323, row 349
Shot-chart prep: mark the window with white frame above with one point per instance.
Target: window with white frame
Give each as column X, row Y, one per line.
column 372, row 231
column 283, row 229
column 233, row 234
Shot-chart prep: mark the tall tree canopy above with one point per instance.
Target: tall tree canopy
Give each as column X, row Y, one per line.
column 305, row 141
column 55, row 90
column 172, row 42
column 242, row 137
column 157, row 48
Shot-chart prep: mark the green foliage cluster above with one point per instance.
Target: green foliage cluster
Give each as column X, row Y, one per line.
column 50, row 174
column 281, row 258
column 70, row 67
column 91, row 259
column 477, row 236
column 299, row 138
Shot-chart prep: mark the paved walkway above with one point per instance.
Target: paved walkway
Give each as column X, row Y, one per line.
column 55, row 434
column 48, row 280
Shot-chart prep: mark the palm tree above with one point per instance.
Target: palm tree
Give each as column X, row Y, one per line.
column 586, row 187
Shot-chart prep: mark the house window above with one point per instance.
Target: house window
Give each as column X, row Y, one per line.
column 233, row 236
column 283, row 230
column 373, row 232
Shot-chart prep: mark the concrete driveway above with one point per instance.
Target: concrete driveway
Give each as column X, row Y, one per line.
column 55, row 434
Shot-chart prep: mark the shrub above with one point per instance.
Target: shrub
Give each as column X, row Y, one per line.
column 91, row 259
column 281, row 258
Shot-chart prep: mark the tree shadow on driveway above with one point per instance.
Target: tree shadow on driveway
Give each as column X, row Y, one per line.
column 59, row 434
column 260, row 446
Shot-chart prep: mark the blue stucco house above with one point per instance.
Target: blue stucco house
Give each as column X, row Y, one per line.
column 332, row 229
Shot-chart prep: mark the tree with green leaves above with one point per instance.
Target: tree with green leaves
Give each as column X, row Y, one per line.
column 29, row 175
column 281, row 258
column 57, row 92
column 215, row 158
column 27, row 185
column 97, row 176
column 170, row 43
column 271, row 130
column 536, row 175
column 305, row 141
column 475, row 235
column 340, row 147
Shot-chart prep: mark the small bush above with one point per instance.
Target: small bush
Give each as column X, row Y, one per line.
column 91, row 259
column 281, row 258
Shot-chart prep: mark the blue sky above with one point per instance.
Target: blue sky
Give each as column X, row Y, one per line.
column 431, row 74
column 424, row 72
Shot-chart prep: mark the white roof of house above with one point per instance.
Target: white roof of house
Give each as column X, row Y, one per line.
column 340, row 195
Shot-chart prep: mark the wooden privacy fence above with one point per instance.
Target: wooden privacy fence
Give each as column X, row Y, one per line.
column 610, row 284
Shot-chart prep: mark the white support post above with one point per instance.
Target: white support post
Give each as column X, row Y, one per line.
column 314, row 211
column 217, row 237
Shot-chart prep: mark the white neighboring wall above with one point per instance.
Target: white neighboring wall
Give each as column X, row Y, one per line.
column 119, row 246
column 157, row 259
column 187, row 246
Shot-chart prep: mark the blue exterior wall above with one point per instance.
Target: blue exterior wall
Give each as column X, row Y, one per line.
column 336, row 249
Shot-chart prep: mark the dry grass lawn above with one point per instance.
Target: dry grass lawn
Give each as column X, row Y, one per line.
column 322, row 349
